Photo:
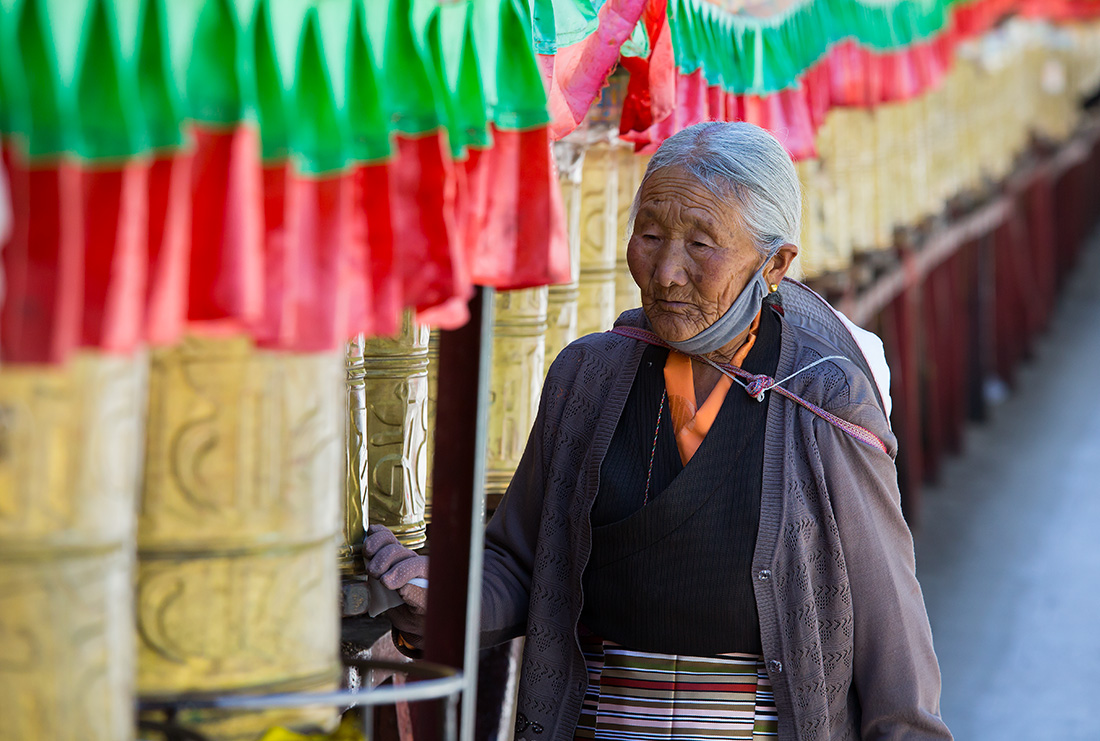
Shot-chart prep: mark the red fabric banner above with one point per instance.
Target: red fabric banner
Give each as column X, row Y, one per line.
column 372, row 216
column 716, row 103
column 651, row 91
column 577, row 73
column 691, row 98
column 321, row 284
column 281, row 244
column 816, row 82
column 226, row 284
column 43, row 263
column 422, row 192
column 798, row 134
column 167, row 248
column 360, row 295
column 114, row 204
column 524, row 242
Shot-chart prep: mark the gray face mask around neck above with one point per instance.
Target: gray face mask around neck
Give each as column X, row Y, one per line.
column 736, row 320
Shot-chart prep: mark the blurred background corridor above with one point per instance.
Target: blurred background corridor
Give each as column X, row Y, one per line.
column 1009, row 554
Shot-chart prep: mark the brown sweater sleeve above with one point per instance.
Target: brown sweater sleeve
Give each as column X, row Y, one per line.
column 895, row 671
column 512, row 534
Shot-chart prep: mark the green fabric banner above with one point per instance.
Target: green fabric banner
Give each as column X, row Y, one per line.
column 562, row 22
column 327, row 82
column 760, row 52
column 514, row 89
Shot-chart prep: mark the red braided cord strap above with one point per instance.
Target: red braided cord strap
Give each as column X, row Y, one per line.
column 755, row 386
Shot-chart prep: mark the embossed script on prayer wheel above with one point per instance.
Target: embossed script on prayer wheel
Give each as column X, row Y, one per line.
column 599, row 221
column 395, row 383
column 433, row 399
column 237, row 572
column 69, row 456
column 561, row 299
column 515, row 384
column 355, row 471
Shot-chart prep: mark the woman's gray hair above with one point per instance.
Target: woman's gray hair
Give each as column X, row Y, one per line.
column 745, row 162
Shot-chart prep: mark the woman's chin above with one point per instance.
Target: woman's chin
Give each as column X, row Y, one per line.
column 673, row 329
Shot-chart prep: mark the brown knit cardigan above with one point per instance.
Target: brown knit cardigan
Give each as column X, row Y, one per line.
column 843, row 625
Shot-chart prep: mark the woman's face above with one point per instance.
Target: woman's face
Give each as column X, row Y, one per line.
column 689, row 254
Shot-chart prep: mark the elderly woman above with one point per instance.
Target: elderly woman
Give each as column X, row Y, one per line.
column 704, row 538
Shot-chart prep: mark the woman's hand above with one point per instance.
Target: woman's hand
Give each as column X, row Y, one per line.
column 395, row 566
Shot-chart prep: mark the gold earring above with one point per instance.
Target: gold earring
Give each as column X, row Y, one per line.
column 774, row 287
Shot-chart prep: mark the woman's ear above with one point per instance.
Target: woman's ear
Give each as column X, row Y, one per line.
column 780, row 263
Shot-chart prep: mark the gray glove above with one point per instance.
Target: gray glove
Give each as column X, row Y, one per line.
column 394, row 566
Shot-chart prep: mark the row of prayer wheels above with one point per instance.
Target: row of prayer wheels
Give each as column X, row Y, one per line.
column 168, row 524
column 172, row 522
column 898, row 164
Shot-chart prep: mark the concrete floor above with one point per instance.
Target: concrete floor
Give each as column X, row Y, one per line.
column 1009, row 553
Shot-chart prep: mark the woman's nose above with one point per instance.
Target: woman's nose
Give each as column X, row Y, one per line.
column 670, row 269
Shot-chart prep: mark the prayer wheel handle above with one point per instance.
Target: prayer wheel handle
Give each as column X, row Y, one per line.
column 432, row 682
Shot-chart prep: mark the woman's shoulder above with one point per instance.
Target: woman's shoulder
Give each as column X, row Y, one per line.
column 598, row 350
column 831, row 374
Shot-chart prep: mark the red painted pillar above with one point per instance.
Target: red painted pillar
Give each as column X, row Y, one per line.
column 901, row 335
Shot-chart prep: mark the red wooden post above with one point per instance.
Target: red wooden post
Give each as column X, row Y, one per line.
column 456, row 506
column 900, row 337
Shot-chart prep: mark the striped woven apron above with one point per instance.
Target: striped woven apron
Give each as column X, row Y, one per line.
column 641, row 695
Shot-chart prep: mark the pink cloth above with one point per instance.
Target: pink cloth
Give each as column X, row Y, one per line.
column 578, row 72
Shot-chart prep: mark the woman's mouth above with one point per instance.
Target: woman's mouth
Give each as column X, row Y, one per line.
column 673, row 305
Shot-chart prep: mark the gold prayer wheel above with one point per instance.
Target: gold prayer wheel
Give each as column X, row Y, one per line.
column 834, row 179
column 890, row 172
column 598, row 248
column 928, row 201
column 813, row 256
column 356, row 473
column 561, row 309
column 1085, row 74
column 393, row 375
column 966, row 96
column 943, row 125
column 515, row 383
column 237, row 588
column 627, row 295
column 856, row 155
column 433, row 399
column 69, row 458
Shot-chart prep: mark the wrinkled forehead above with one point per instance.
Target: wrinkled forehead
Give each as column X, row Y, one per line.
column 682, row 190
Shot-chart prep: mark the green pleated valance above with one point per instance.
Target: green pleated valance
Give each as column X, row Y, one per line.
column 753, row 52
column 327, row 82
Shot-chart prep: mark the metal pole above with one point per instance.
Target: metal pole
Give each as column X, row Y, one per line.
column 458, row 507
column 477, row 521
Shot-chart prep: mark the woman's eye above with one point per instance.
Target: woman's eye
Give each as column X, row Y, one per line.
column 650, row 237
column 700, row 244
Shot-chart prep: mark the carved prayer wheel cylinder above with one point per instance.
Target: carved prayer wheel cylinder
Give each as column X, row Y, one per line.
column 433, row 399
column 943, row 132
column 834, row 180
column 562, row 299
column 356, row 472
column 515, row 384
column 928, row 203
column 599, row 223
column 69, row 458
column 394, row 377
column 891, row 172
column 856, row 155
column 237, row 571
column 813, row 257
column 627, row 295
column 964, row 93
